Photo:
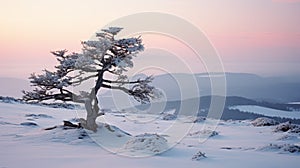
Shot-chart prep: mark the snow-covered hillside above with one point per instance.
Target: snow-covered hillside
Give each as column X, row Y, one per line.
column 268, row 111
column 24, row 141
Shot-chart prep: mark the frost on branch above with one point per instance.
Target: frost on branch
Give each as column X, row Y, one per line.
column 107, row 54
column 83, row 62
column 112, row 30
column 143, row 92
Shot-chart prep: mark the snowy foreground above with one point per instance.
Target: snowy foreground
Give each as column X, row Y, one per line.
column 24, row 141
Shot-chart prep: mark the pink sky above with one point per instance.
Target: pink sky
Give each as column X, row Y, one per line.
column 255, row 36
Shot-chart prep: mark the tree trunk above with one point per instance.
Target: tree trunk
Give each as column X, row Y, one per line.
column 92, row 107
column 92, row 114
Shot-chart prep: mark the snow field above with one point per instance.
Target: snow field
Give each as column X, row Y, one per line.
column 237, row 144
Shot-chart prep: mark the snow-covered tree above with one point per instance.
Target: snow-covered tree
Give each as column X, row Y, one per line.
column 104, row 55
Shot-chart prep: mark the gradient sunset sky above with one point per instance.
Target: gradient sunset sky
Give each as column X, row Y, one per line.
column 253, row 36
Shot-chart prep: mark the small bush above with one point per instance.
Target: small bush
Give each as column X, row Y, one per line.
column 198, row 156
column 263, row 121
column 199, row 119
column 209, row 133
column 287, row 126
column 290, row 148
column 148, row 144
column 169, row 117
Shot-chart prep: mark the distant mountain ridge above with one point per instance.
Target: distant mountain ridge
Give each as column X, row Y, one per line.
column 205, row 103
column 279, row 89
column 227, row 113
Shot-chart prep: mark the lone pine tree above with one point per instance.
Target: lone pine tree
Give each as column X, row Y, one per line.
column 104, row 55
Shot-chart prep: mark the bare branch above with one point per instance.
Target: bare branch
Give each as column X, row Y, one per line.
column 42, row 95
column 121, row 82
column 80, row 80
column 146, row 80
column 117, row 87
